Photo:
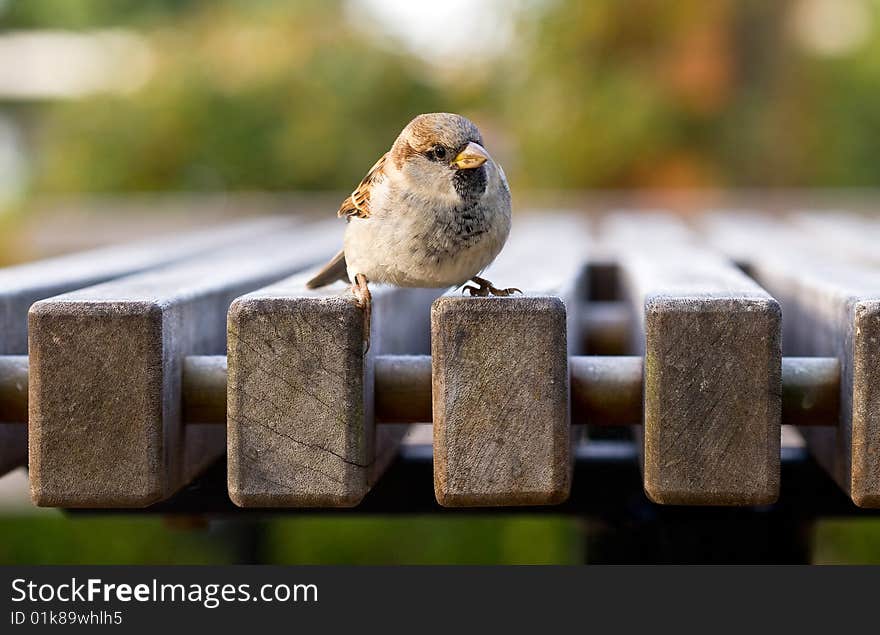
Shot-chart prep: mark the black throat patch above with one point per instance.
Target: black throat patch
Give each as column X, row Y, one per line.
column 470, row 184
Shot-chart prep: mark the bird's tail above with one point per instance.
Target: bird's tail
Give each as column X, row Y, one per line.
column 331, row 272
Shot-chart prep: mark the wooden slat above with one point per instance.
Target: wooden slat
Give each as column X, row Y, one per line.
column 621, row 228
column 302, row 431
column 22, row 285
column 500, row 373
column 832, row 309
column 839, row 235
column 106, row 365
column 711, row 341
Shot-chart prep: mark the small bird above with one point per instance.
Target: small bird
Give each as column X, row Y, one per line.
column 434, row 211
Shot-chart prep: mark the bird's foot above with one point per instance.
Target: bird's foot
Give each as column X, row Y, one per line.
column 485, row 288
column 364, row 300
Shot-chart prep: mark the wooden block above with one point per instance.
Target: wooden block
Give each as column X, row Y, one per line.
column 106, row 365
column 832, row 309
column 500, row 374
column 301, row 429
column 711, row 341
column 22, row 285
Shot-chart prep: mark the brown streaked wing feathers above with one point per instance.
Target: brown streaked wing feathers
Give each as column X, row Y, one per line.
column 358, row 204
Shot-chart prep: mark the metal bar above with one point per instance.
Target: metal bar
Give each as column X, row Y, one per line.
column 203, row 389
column 605, row 391
column 606, row 328
column 403, row 388
column 13, row 410
column 13, row 388
column 810, row 391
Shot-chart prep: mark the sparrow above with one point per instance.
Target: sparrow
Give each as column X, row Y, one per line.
column 433, row 211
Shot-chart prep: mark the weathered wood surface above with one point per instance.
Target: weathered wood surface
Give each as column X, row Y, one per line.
column 619, row 229
column 843, row 236
column 105, row 372
column 22, row 285
column 500, row 373
column 301, row 426
column 832, row 309
column 711, row 341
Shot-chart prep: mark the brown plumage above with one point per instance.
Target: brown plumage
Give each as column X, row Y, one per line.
column 358, row 202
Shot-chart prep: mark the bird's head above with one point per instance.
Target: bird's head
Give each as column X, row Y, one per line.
column 442, row 156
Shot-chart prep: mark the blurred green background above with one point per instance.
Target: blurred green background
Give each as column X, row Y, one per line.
column 277, row 95
column 116, row 98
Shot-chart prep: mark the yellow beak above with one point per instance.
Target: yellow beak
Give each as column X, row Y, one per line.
column 473, row 156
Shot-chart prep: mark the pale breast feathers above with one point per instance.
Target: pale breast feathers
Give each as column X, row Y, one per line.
column 358, row 203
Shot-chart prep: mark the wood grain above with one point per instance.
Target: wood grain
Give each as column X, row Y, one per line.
column 105, row 372
column 22, row 285
column 301, row 426
column 832, row 309
column 711, row 341
column 500, row 374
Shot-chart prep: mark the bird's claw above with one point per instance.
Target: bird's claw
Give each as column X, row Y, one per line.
column 364, row 301
column 485, row 288
column 504, row 292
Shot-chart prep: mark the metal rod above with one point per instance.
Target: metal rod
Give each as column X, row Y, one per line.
column 606, row 328
column 204, row 389
column 605, row 391
column 403, row 388
column 14, row 388
column 810, row 391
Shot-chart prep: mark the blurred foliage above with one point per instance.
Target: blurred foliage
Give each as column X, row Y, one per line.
column 692, row 93
column 82, row 14
column 262, row 95
column 544, row 539
column 362, row 540
column 425, row 540
column 300, row 95
column 847, row 541
column 108, row 540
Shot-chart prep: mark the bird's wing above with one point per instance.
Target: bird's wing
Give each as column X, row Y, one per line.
column 331, row 272
column 358, row 203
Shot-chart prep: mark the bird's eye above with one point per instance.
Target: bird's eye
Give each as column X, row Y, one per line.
column 439, row 152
